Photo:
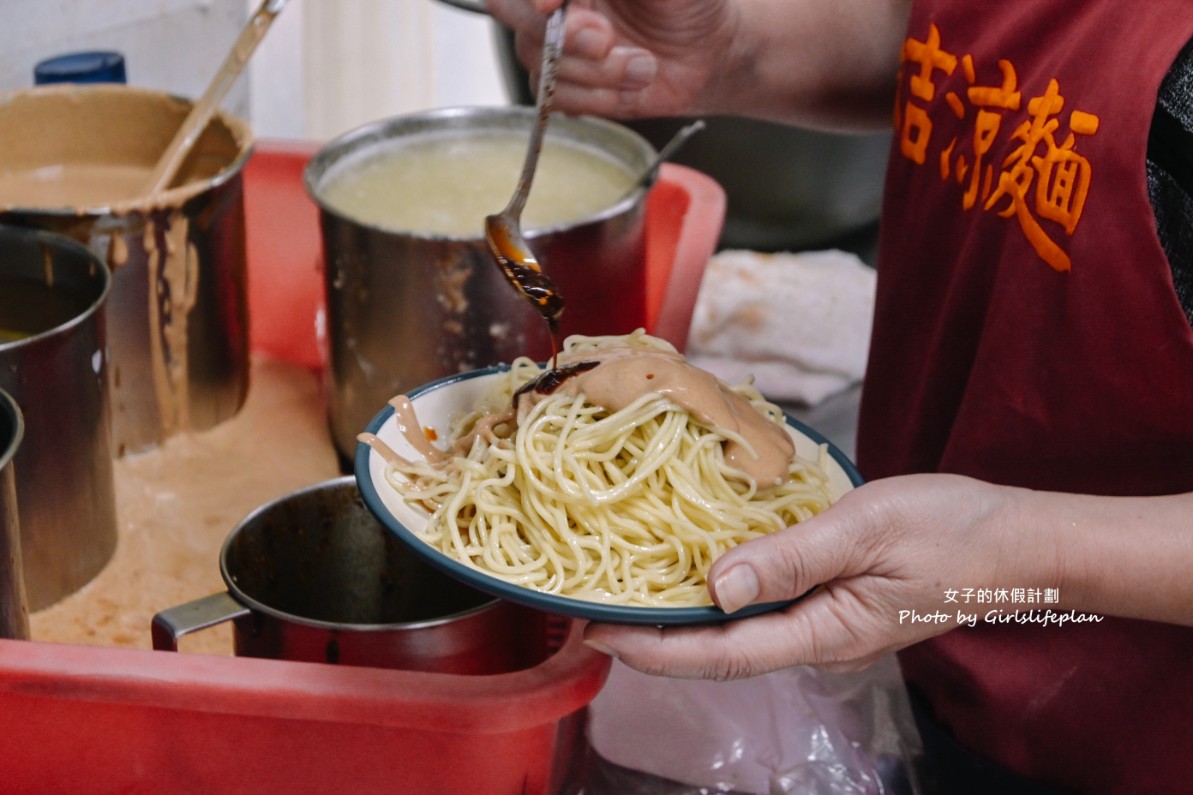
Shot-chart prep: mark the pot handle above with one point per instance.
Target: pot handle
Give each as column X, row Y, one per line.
column 475, row 6
column 171, row 624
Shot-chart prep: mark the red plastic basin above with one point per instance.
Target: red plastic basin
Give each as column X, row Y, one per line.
column 99, row 720
column 87, row 719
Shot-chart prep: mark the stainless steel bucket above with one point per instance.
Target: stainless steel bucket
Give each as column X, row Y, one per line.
column 314, row 577
column 14, row 611
column 53, row 362
column 177, row 314
column 405, row 308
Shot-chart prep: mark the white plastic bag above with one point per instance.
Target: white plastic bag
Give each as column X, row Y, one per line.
column 798, row 730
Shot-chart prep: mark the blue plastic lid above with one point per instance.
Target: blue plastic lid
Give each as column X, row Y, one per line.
column 81, row 67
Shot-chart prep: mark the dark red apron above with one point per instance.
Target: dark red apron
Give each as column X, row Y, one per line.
column 1027, row 332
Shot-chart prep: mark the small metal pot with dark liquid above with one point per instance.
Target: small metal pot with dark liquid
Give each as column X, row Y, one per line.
column 314, row 577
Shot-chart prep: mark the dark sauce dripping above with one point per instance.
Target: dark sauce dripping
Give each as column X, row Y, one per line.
column 556, row 342
column 535, row 286
column 548, row 381
column 529, row 280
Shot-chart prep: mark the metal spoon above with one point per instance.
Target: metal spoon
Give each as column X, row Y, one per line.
column 503, row 231
column 202, row 111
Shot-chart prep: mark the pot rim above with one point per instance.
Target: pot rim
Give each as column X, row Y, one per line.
column 8, row 405
column 167, row 199
column 62, row 242
column 338, row 483
column 384, row 131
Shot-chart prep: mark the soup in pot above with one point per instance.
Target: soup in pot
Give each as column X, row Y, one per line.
column 80, row 185
column 447, row 184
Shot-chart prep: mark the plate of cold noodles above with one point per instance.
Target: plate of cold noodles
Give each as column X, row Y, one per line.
column 602, row 487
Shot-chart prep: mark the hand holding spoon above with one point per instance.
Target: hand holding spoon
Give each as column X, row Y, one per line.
column 503, row 231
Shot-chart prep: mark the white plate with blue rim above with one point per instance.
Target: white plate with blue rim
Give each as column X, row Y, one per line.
column 436, row 404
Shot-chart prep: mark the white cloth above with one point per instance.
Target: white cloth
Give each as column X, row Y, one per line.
column 799, row 323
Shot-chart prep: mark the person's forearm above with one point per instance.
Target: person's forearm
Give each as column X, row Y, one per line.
column 1121, row 556
column 823, row 63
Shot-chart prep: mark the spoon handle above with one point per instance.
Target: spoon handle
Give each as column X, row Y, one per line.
column 552, row 49
column 202, row 111
column 666, row 153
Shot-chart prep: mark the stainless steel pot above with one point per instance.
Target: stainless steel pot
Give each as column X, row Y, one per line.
column 405, row 308
column 14, row 610
column 55, row 366
column 314, row 577
column 178, row 322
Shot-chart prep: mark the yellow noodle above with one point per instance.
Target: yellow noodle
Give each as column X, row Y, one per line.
column 624, row 507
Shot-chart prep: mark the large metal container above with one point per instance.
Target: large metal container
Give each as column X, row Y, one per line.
column 405, row 308
column 53, row 362
column 14, row 611
column 178, row 326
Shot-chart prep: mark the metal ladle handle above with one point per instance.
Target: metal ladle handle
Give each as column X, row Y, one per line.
column 647, row 178
column 171, row 624
column 171, row 159
column 552, row 50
